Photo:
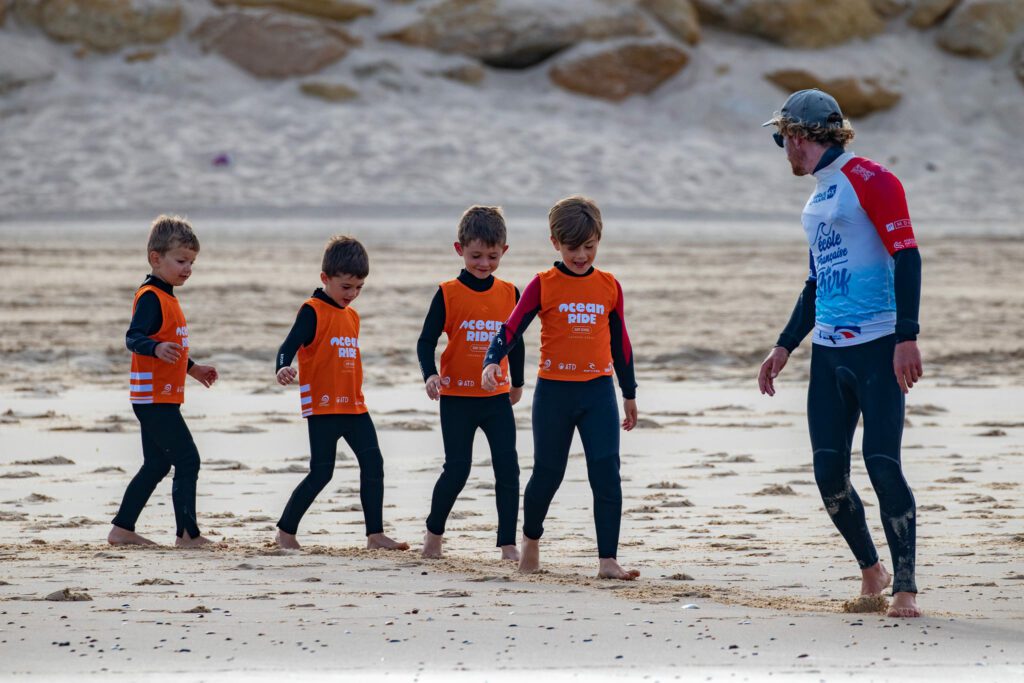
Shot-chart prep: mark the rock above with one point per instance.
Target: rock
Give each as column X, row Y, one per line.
column 794, row 23
column 887, row 9
column 274, row 46
column 338, row 10
column 678, row 16
column 329, row 92
column 470, row 74
column 857, row 96
column 131, row 58
column 67, row 595
column 617, row 72
column 981, row 28
column 1018, row 63
column 519, row 34
column 104, row 25
column 20, row 66
column 927, row 13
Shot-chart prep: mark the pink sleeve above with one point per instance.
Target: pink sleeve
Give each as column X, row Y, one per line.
column 526, row 308
column 882, row 197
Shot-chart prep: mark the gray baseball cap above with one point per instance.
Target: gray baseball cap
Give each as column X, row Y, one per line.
column 811, row 107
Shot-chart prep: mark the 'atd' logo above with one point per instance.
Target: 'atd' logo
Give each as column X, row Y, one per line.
column 348, row 347
column 581, row 313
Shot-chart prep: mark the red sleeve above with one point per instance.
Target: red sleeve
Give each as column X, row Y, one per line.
column 526, row 308
column 882, row 197
column 620, row 308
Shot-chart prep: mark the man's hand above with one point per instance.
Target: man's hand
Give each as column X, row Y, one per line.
column 515, row 394
column 168, row 352
column 286, row 376
column 770, row 369
column 906, row 363
column 629, row 408
column 205, row 374
column 433, row 387
column 490, row 377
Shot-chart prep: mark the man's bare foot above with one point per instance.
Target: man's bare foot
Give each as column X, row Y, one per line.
column 432, row 546
column 874, row 579
column 610, row 569
column 382, row 542
column 287, row 541
column 119, row 536
column 529, row 560
column 510, row 552
column 186, row 541
column 904, row 605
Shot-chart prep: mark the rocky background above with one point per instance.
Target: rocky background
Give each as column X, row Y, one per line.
column 132, row 105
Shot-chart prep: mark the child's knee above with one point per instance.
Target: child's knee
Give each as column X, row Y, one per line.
column 371, row 465
column 187, row 468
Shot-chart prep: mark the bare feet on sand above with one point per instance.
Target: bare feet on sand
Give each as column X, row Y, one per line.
column 874, row 579
column 382, row 542
column 610, row 569
column 904, row 605
column 432, row 546
column 529, row 561
column 510, row 552
column 287, row 541
column 187, row 541
column 119, row 536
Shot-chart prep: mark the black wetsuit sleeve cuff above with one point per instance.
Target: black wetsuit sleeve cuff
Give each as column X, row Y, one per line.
column 907, row 283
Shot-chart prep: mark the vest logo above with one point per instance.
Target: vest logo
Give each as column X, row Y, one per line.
column 566, row 366
column 897, row 225
column 348, row 347
column 480, row 330
column 547, row 364
column 863, row 172
column 823, row 196
column 582, row 313
column 167, row 390
column 325, row 400
column 341, row 399
column 446, row 381
column 181, row 331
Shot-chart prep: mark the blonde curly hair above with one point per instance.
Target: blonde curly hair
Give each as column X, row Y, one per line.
column 837, row 134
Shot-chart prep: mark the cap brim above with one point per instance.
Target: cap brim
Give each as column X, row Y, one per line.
column 770, row 122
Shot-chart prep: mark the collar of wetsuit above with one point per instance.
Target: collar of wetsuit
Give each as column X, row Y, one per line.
column 475, row 283
column 830, row 155
column 319, row 293
column 565, row 269
column 158, row 283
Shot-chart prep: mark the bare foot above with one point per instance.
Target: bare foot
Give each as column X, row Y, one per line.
column 119, row 536
column 610, row 569
column 529, row 561
column 187, row 541
column 904, row 605
column 432, row 546
column 382, row 542
column 287, row 541
column 874, row 579
column 510, row 552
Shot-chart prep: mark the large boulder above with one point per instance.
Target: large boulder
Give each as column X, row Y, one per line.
column 104, row 25
column 794, row 23
column 619, row 71
column 927, row 13
column 273, row 45
column 517, row 33
column 20, row 65
column 338, row 10
column 857, row 96
column 678, row 16
column 981, row 28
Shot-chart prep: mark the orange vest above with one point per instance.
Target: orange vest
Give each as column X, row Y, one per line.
column 575, row 337
column 153, row 380
column 331, row 368
column 471, row 321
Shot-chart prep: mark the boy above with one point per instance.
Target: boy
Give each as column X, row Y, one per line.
column 326, row 338
column 583, row 337
column 470, row 309
column 158, row 340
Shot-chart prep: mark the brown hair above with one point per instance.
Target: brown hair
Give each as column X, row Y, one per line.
column 484, row 223
column 574, row 220
column 168, row 232
column 836, row 134
column 344, row 255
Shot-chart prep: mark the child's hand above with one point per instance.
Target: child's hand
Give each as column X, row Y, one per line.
column 206, row 374
column 515, row 394
column 168, row 352
column 286, row 376
column 629, row 408
column 492, row 374
column 434, row 387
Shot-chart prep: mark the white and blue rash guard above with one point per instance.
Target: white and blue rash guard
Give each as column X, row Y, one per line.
column 856, row 221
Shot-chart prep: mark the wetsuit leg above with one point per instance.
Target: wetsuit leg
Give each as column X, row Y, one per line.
column 499, row 425
column 361, row 436
column 156, row 464
column 599, row 432
column 832, row 414
column 554, row 421
column 324, row 432
column 883, row 408
column 460, row 417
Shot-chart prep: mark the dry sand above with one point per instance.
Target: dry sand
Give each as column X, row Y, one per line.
column 743, row 574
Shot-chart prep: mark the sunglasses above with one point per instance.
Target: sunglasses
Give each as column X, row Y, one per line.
column 779, row 140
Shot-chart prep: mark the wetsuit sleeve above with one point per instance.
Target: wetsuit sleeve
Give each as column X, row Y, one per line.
column 433, row 326
column 511, row 332
column 622, row 350
column 303, row 333
column 801, row 321
column 517, row 359
column 908, row 293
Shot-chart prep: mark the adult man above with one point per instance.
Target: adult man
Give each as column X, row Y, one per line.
column 861, row 298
